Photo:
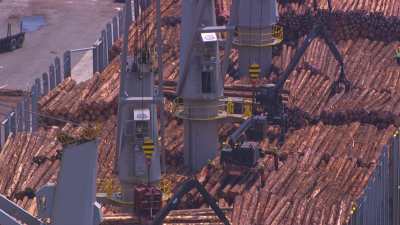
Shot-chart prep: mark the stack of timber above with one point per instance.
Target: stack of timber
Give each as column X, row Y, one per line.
column 20, row 171
column 96, row 99
column 326, row 171
column 195, row 217
column 328, row 164
column 120, row 219
column 202, row 216
column 369, row 66
column 33, row 159
column 386, row 8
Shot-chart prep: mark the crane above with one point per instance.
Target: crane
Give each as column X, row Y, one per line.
column 271, row 97
column 138, row 155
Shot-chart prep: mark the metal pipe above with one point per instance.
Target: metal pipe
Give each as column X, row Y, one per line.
column 17, row 212
column 124, row 55
column 161, row 85
column 82, row 49
column 189, row 47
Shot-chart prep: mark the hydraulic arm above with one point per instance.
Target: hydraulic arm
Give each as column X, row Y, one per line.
column 185, row 188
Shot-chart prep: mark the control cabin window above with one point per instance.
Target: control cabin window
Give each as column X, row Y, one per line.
column 206, row 82
column 141, row 129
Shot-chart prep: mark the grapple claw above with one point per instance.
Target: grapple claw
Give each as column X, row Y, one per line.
column 339, row 85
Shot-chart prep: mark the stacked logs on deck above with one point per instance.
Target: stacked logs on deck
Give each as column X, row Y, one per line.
column 67, row 102
column 195, row 216
column 99, row 99
column 33, row 159
column 60, row 102
column 20, row 172
column 314, row 173
column 342, row 25
column 381, row 119
column 96, row 98
column 300, row 6
column 173, row 142
column 321, row 183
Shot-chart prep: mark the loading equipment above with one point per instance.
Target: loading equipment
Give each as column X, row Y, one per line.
column 238, row 155
column 185, row 188
column 272, row 99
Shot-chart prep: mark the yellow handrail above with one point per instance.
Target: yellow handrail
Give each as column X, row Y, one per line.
column 265, row 39
column 248, row 109
column 225, row 107
column 230, row 106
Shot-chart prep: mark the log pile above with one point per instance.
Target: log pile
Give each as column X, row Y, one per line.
column 195, row 216
column 386, row 8
column 326, row 171
column 96, row 98
column 99, row 98
column 20, row 172
column 175, row 217
column 342, row 25
column 369, row 66
column 33, row 159
column 330, row 156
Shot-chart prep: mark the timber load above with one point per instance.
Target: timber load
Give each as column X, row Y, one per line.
column 96, row 99
column 326, row 171
column 332, row 148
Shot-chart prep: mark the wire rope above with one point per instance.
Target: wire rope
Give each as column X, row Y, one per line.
column 4, row 105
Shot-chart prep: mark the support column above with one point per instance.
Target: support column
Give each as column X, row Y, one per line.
column 20, row 117
column 136, row 9
column 101, row 56
column 57, row 65
column 109, row 38
column 45, row 80
column 52, row 77
column 27, row 116
column 67, row 64
column 115, row 28
column 200, row 109
column 39, row 87
column 95, row 57
column 13, row 123
column 74, row 195
column 120, row 25
column 105, row 48
column 34, row 112
column 6, row 130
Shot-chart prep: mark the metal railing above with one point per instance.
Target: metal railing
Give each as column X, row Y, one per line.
column 223, row 108
column 24, row 117
column 259, row 37
column 380, row 203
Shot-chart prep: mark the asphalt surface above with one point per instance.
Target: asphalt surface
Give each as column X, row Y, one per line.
column 69, row 24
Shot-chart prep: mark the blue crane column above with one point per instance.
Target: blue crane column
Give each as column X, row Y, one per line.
column 200, row 84
column 254, row 20
column 137, row 119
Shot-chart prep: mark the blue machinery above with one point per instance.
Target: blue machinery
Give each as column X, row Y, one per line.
column 201, row 78
column 64, row 203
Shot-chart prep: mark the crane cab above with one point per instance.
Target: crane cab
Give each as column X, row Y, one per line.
column 240, row 158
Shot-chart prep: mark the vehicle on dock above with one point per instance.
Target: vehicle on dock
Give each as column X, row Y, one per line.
column 12, row 41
